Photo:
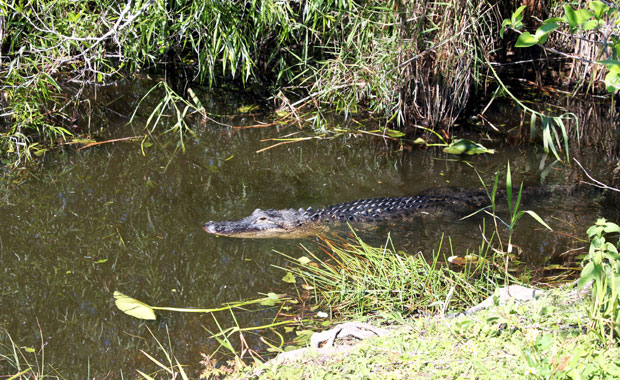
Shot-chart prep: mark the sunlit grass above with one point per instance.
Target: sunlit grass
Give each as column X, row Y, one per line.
column 351, row 278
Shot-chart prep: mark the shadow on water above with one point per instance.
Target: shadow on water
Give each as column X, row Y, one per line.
column 108, row 218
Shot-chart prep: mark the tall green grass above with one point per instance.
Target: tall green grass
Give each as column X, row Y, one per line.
column 351, row 279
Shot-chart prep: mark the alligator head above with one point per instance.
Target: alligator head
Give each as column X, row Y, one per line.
column 288, row 223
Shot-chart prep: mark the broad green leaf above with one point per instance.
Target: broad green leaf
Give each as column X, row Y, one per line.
column 248, row 108
column 611, row 252
column 597, row 242
column 570, row 15
column 587, row 275
column 583, row 15
column 465, row 146
column 590, row 24
column 611, row 227
column 576, row 17
column 594, row 230
column 282, row 113
column 505, row 23
column 599, row 8
column 526, row 40
column 133, row 307
column 271, row 299
column 545, row 29
column 544, row 342
column 553, row 20
column 612, row 81
column 612, row 64
column 393, row 133
column 515, row 21
column 518, row 14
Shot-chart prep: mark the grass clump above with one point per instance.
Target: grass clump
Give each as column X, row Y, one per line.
column 356, row 279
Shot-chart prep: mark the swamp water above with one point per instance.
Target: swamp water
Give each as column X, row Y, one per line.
column 107, row 218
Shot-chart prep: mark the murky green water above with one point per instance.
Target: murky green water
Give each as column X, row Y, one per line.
column 109, row 218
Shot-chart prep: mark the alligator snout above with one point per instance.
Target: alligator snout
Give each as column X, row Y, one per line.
column 209, row 227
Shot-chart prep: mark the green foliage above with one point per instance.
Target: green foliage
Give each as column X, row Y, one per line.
column 553, row 128
column 359, row 279
column 466, row 146
column 343, row 53
column 513, row 207
column 602, row 268
column 577, row 21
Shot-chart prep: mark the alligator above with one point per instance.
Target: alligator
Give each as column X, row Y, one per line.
column 291, row 223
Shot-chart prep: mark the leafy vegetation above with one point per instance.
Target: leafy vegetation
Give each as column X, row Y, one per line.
column 602, row 269
column 593, row 33
column 596, row 25
column 410, row 64
column 357, row 279
column 403, row 61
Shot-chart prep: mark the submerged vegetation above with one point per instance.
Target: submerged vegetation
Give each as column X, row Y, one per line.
column 412, row 64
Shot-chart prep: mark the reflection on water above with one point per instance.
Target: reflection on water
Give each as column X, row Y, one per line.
column 108, row 218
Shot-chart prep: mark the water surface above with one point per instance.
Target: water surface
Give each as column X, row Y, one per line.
column 109, row 218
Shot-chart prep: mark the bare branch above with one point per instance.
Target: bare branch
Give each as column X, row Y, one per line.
column 595, row 182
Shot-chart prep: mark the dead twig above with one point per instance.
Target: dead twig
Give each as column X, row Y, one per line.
column 595, row 183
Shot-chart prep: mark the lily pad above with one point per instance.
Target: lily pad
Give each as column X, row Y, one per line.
column 465, row 146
